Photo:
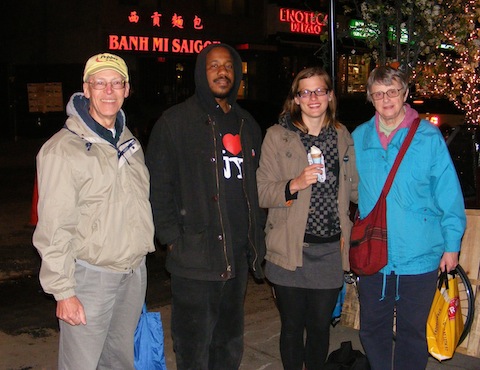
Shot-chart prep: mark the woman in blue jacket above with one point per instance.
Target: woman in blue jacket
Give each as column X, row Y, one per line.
column 425, row 223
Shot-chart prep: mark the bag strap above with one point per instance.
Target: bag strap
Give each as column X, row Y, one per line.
column 443, row 279
column 398, row 159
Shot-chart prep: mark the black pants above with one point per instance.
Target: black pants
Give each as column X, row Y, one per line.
column 411, row 296
column 305, row 310
column 208, row 322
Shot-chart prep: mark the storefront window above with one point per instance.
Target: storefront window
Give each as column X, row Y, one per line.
column 353, row 70
column 244, row 83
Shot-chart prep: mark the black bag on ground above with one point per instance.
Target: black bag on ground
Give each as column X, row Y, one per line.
column 347, row 358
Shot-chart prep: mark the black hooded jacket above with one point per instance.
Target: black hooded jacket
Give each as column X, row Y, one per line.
column 187, row 191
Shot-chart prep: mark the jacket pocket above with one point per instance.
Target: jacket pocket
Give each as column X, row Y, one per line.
column 276, row 236
column 90, row 231
column 191, row 249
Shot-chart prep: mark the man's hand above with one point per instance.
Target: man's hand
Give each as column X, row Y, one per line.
column 71, row 311
column 449, row 261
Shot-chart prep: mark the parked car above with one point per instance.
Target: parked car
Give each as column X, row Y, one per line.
column 463, row 143
column 441, row 112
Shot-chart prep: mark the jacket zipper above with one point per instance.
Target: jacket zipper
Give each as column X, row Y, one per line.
column 248, row 203
column 212, row 125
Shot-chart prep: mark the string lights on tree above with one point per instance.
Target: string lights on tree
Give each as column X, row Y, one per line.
column 442, row 52
column 455, row 73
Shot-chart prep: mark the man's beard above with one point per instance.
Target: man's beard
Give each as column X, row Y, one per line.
column 222, row 95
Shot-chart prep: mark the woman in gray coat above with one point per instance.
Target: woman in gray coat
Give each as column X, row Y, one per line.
column 308, row 226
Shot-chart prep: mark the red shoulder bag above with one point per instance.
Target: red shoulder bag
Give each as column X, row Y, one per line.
column 368, row 241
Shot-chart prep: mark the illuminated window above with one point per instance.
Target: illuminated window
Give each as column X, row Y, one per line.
column 353, row 73
column 242, row 89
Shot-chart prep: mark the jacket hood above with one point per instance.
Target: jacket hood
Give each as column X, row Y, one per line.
column 286, row 122
column 202, row 90
column 87, row 127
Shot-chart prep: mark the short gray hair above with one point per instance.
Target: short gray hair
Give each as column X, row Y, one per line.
column 384, row 75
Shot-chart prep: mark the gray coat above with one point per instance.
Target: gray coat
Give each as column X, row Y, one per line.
column 284, row 158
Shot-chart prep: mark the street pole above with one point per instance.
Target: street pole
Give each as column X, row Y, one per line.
column 333, row 41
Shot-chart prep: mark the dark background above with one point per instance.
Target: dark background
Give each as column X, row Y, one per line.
column 24, row 307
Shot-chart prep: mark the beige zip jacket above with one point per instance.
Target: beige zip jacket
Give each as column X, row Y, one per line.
column 284, row 158
column 93, row 205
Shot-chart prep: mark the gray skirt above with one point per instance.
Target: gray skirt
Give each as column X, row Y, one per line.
column 322, row 268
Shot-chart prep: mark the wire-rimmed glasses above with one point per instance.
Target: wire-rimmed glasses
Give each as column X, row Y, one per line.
column 392, row 93
column 304, row 94
column 102, row 84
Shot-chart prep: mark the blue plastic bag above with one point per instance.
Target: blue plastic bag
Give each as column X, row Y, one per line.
column 148, row 342
column 337, row 311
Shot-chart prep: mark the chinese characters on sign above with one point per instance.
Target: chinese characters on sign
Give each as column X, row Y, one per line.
column 177, row 21
column 156, row 19
column 161, row 44
column 133, row 17
column 197, row 23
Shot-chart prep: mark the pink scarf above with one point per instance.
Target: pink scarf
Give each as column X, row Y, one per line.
column 410, row 115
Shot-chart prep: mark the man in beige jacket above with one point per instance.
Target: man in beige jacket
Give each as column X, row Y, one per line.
column 95, row 222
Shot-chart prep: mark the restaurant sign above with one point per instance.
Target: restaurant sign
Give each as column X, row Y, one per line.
column 303, row 21
column 157, row 44
column 176, row 45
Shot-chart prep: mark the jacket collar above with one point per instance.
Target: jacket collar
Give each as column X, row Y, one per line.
column 78, row 107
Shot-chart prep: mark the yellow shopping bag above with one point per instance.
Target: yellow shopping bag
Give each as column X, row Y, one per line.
column 445, row 322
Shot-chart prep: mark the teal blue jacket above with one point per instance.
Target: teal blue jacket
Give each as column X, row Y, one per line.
column 425, row 208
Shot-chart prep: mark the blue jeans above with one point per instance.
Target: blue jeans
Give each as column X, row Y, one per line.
column 208, row 321
column 415, row 295
column 303, row 310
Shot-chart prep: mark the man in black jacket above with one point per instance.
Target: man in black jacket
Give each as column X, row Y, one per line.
column 202, row 156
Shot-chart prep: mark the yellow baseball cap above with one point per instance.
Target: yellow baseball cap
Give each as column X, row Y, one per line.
column 101, row 62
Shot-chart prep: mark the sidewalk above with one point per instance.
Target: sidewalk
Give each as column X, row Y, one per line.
column 38, row 350
column 262, row 326
column 262, row 331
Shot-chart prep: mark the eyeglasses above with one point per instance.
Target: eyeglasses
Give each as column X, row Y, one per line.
column 392, row 93
column 102, row 84
column 304, row 94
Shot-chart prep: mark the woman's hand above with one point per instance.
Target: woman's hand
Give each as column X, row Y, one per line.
column 449, row 261
column 306, row 178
